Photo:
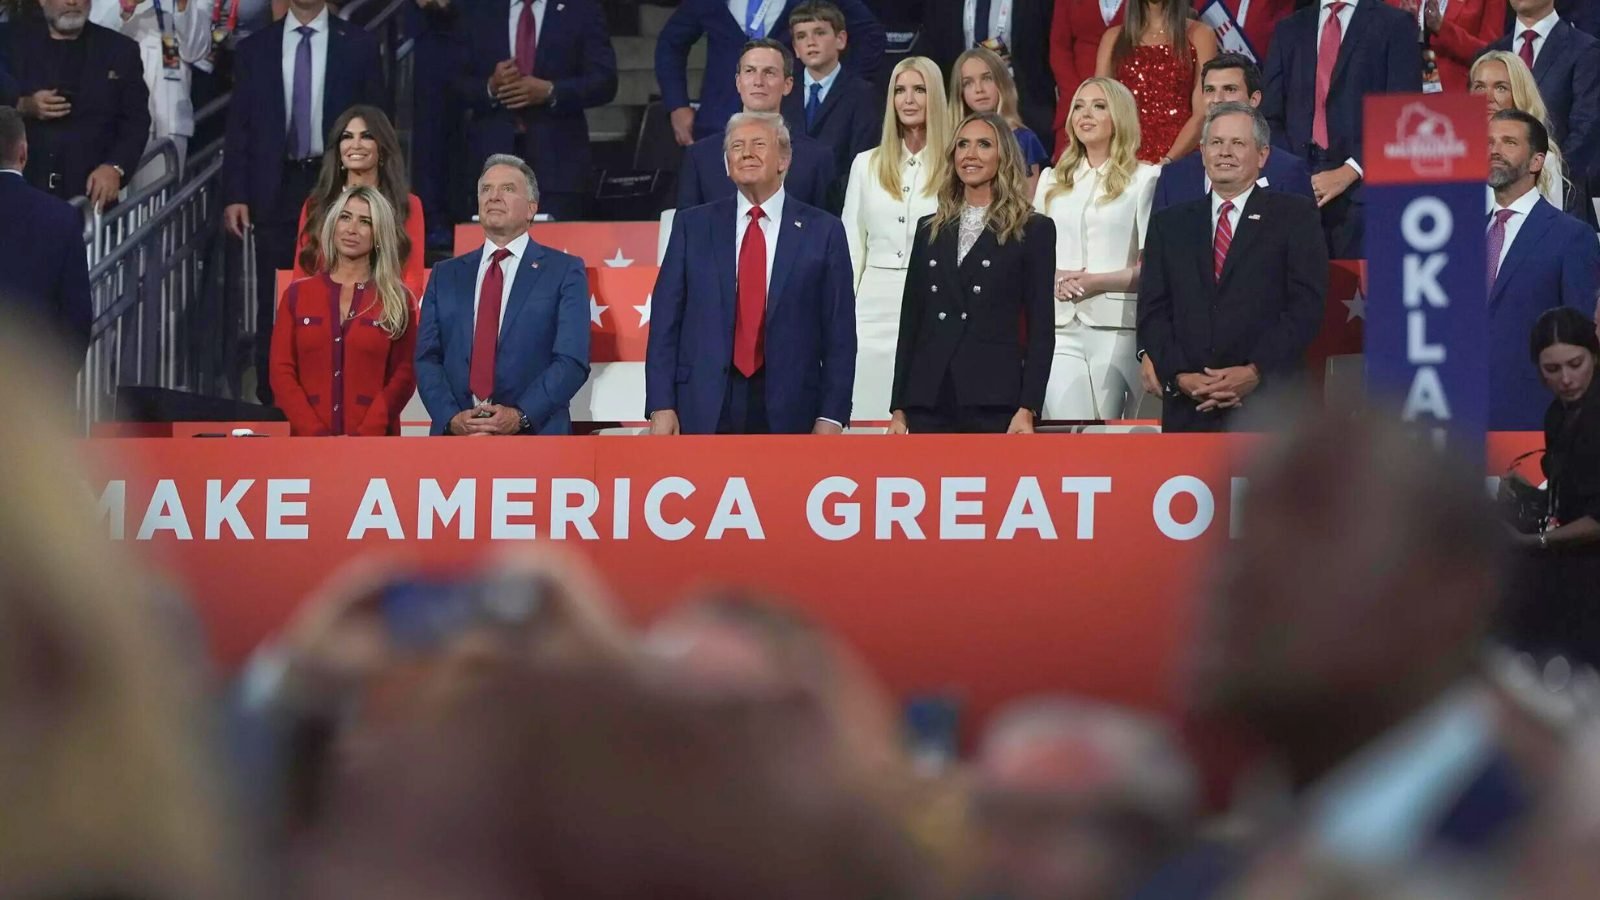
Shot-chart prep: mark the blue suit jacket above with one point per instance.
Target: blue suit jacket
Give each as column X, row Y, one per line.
column 703, row 177
column 1554, row 261
column 258, row 136
column 8, row 81
column 543, row 355
column 44, row 274
column 725, row 37
column 574, row 53
column 1568, row 73
column 1184, row 179
column 810, row 336
column 849, row 121
column 1377, row 55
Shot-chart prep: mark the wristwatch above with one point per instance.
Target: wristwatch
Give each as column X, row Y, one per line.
column 1544, row 540
column 120, row 174
column 525, row 423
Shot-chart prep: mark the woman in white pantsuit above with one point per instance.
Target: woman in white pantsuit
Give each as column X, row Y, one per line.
column 891, row 187
column 1099, row 195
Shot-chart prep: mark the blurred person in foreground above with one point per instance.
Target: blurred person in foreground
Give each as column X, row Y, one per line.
column 1076, row 800
column 342, row 352
column 1388, row 740
column 108, row 785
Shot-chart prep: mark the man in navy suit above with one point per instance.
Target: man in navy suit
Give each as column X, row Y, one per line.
column 763, row 82
column 1324, row 61
column 842, row 112
column 753, row 328
column 82, row 89
column 291, row 81
column 529, row 76
column 727, row 25
column 44, row 273
column 1229, row 78
column 1539, row 258
column 1566, row 65
column 434, row 25
column 503, row 341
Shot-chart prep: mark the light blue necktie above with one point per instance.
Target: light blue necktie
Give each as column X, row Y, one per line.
column 753, row 25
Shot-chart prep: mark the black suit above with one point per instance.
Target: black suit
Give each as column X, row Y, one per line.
column 849, row 121
column 1568, row 73
column 1265, row 310
column 960, row 360
column 110, row 119
column 44, row 274
column 944, row 38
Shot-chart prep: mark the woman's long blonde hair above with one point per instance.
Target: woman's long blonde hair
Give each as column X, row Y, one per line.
column 385, row 258
column 1009, row 205
column 891, row 147
column 1525, row 94
column 1123, row 160
column 1006, row 108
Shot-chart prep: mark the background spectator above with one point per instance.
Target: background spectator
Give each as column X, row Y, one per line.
column 291, row 82
column 167, row 73
column 342, row 351
column 981, row 84
column 81, row 88
column 892, row 188
column 728, row 25
column 1099, row 196
column 763, row 82
column 1017, row 31
column 832, row 106
column 1158, row 54
column 434, row 149
column 363, row 150
column 1539, row 258
column 527, row 82
column 978, row 376
column 517, row 373
column 1075, row 33
column 1464, row 29
column 1504, row 80
column 1256, row 20
column 44, row 273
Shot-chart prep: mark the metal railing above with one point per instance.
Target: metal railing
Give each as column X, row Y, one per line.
column 104, row 231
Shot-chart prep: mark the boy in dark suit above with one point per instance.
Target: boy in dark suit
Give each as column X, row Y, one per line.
column 832, row 106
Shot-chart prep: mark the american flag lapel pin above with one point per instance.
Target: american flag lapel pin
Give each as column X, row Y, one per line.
column 1255, row 216
column 798, row 224
column 560, row 7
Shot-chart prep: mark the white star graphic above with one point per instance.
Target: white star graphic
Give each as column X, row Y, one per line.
column 618, row 262
column 595, row 310
column 644, row 311
column 1357, row 306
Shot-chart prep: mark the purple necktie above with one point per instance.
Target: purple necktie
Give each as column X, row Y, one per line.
column 300, row 121
column 1497, row 241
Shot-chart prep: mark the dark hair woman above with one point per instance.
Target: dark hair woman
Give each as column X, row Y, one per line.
column 364, row 150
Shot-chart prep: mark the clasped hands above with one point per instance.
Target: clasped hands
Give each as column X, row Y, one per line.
column 1217, row 389
column 487, row 419
column 515, row 90
column 1077, row 284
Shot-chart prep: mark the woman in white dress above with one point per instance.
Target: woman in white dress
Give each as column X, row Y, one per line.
column 1099, row 196
column 891, row 187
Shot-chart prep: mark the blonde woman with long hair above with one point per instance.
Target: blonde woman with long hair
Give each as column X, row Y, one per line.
column 342, row 351
column 980, row 265
column 891, row 188
column 981, row 82
column 1099, row 195
column 1505, row 81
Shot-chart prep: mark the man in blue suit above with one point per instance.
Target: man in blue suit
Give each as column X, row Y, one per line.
column 727, row 25
column 753, row 328
column 44, row 273
column 1229, row 78
column 832, row 106
column 503, row 341
column 1359, row 47
column 763, row 82
column 528, row 79
column 291, row 81
column 1539, row 258
column 1566, row 65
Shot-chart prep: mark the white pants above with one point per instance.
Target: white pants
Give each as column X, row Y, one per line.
column 1094, row 374
column 877, row 335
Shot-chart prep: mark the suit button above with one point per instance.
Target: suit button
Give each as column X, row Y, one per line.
column 963, row 317
column 985, row 264
column 902, row 220
column 338, row 339
column 933, row 262
column 899, row 253
column 977, row 289
column 941, row 317
column 934, row 288
column 905, row 190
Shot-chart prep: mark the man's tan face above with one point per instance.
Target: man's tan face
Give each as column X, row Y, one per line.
column 1232, row 158
column 1225, row 86
column 754, row 158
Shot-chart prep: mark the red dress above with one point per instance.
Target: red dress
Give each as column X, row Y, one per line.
column 332, row 377
column 1163, row 89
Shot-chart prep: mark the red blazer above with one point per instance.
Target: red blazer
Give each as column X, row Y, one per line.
column 1467, row 29
column 1075, row 32
column 1260, row 20
column 411, row 271
column 333, row 378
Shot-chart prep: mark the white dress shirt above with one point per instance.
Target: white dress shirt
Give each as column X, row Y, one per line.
column 999, row 21
column 508, row 275
column 171, row 111
column 1098, row 235
column 1521, row 206
column 826, row 83
column 516, row 16
column 319, row 72
column 879, row 226
column 770, row 10
column 1345, row 15
column 772, row 211
column 1542, row 28
column 1233, row 214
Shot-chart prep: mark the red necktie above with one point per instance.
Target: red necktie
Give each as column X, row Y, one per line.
column 486, row 333
column 1526, row 52
column 1327, row 58
column 527, row 38
column 752, row 308
column 1223, row 240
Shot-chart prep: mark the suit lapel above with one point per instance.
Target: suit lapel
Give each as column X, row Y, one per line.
column 829, row 104
column 724, row 251
column 1529, row 236
column 1555, row 46
column 334, row 81
column 1359, row 26
column 466, row 282
column 530, row 272
column 790, row 235
column 278, row 112
column 1246, row 233
column 552, row 29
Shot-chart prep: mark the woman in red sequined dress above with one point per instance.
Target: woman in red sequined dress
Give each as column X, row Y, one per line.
column 1157, row 55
